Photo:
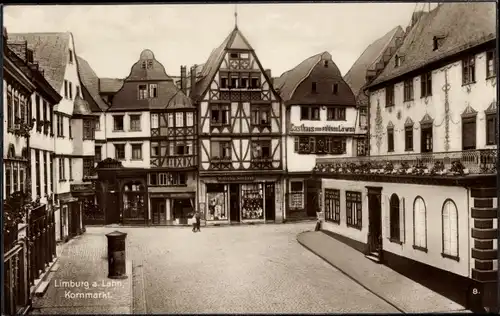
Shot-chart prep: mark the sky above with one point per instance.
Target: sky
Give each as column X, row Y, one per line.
column 111, row 37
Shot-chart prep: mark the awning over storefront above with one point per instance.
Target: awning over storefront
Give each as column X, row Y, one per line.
column 176, row 195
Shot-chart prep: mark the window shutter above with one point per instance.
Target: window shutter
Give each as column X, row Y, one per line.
column 386, row 205
column 420, row 223
column 446, row 229
column 453, row 215
column 402, row 230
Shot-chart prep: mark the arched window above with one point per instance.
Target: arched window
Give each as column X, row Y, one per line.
column 419, row 224
column 395, row 232
column 450, row 229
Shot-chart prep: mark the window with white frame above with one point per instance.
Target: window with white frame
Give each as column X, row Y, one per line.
column 170, row 120
column 419, row 224
column 179, row 119
column 296, row 195
column 332, row 205
column 354, row 213
column 135, row 123
column 189, row 119
column 154, row 121
column 450, row 229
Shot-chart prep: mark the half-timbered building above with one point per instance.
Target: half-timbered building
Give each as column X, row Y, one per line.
column 241, row 136
column 321, row 117
column 426, row 197
column 146, row 147
column 173, row 176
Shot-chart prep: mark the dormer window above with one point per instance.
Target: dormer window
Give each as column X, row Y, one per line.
column 437, row 41
column 398, row 60
column 325, row 63
column 313, row 88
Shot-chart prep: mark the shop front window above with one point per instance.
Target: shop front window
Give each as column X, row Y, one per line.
column 216, row 200
column 133, row 200
column 252, row 201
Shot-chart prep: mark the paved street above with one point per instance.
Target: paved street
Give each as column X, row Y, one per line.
column 240, row 269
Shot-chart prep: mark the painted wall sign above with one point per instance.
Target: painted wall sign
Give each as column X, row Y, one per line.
column 321, row 129
column 235, row 178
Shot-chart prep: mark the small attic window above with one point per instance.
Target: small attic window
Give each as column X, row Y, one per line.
column 143, row 65
column 313, row 87
column 70, row 56
column 437, row 41
column 150, row 64
column 325, row 63
column 335, row 88
column 398, row 61
column 234, row 55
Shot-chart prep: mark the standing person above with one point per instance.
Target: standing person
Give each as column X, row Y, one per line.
column 197, row 216
column 195, row 223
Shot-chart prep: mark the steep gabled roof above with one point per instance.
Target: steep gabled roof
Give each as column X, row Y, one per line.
column 462, row 25
column 290, row 84
column 289, row 80
column 356, row 76
column 148, row 70
column 51, row 51
column 110, row 85
column 90, row 83
column 235, row 40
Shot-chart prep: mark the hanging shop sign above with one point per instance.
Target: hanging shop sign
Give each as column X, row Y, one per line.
column 236, row 179
column 321, row 129
column 86, row 187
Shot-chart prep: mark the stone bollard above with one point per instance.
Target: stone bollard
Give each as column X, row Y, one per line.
column 117, row 268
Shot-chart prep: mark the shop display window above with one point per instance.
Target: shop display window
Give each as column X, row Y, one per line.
column 252, row 206
column 216, row 201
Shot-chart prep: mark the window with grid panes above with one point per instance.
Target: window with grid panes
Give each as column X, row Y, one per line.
column 353, row 209
column 469, row 70
column 189, row 119
column 88, row 130
column 332, row 205
column 491, row 67
column 450, row 229
column 179, row 119
column 260, row 115
column 88, row 164
column 120, row 151
column 408, row 90
column 135, row 123
column 37, row 173
column 426, row 85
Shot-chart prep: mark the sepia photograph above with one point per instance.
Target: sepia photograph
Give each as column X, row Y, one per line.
column 245, row 158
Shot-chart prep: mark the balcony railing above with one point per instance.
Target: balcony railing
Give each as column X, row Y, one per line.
column 481, row 161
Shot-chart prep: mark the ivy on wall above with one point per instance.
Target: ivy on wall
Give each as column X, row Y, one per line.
column 379, row 129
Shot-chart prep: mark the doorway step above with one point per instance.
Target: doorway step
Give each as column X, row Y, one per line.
column 374, row 256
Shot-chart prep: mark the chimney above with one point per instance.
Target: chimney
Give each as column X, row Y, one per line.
column 183, row 79
column 268, row 74
column 5, row 37
column 415, row 17
column 193, row 77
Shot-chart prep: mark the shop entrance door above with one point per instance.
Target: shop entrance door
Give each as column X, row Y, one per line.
column 158, row 207
column 374, row 222
column 112, row 209
column 270, row 201
column 234, row 200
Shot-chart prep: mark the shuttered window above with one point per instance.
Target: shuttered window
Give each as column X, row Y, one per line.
column 450, row 229
column 395, row 233
column 469, row 134
column 419, row 224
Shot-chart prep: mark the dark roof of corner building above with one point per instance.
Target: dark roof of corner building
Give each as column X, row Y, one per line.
column 110, row 85
column 140, row 70
column 168, row 95
column 235, row 40
column 81, row 107
column 356, row 76
column 50, row 51
column 288, row 83
column 462, row 24
column 90, row 83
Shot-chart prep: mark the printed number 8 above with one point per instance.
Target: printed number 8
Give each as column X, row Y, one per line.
column 475, row 291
